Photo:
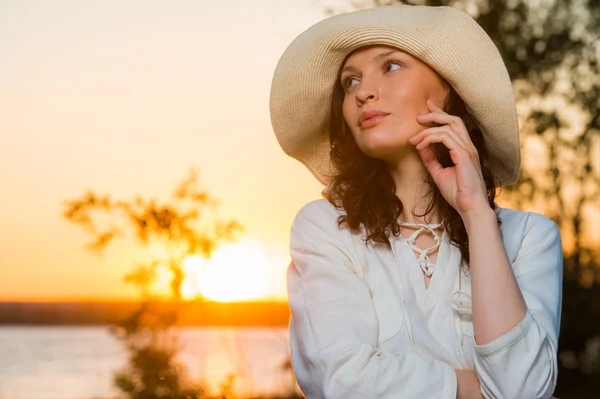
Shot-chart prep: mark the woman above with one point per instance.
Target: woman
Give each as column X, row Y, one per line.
column 407, row 280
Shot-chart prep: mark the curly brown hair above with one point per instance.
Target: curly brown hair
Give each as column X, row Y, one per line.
column 365, row 189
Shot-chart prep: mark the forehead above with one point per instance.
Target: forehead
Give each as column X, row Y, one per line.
column 367, row 53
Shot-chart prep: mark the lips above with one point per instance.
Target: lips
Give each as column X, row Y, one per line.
column 371, row 117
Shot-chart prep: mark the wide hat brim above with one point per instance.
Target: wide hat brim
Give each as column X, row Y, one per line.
column 449, row 40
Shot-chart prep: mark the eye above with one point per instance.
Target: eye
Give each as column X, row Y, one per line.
column 347, row 80
column 388, row 64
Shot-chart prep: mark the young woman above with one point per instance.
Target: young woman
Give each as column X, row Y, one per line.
column 407, row 280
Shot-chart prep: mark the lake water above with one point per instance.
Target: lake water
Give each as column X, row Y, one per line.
column 79, row 362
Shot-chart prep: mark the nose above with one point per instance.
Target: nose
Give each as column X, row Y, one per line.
column 369, row 91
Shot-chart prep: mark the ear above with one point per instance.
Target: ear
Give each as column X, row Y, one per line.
column 447, row 91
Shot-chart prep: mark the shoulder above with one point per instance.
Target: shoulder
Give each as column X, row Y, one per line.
column 526, row 229
column 317, row 222
column 315, row 230
column 319, row 211
column 513, row 219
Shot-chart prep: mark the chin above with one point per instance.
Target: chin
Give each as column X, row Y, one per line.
column 381, row 143
column 384, row 151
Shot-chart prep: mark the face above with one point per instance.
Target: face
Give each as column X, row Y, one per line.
column 392, row 83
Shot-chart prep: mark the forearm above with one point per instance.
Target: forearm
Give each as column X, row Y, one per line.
column 497, row 301
column 516, row 297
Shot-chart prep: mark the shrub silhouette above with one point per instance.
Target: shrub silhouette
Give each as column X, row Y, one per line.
column 148, row 333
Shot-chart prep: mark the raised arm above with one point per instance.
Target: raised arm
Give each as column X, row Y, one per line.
column 334, row 329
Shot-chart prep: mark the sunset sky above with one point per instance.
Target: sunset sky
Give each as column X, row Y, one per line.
column 122, row 98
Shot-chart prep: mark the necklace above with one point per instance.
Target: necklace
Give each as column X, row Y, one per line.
column 426, row 265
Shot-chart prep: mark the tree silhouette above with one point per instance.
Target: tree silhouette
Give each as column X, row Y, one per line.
column 148, row 334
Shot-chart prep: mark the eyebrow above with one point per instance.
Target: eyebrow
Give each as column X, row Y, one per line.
column 378, row 56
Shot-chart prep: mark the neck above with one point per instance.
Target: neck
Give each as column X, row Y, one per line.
column 409, row 174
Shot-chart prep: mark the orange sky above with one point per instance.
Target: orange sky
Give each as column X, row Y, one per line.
column 123, row 97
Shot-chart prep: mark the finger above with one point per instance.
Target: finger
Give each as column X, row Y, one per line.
column 457, row 126
column 441, row 117
column 462, row 132
column 438, row 129
column 457, row 152
column 430, row 162
column 435, row 108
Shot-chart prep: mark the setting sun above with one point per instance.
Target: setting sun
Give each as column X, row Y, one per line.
column 236, row 271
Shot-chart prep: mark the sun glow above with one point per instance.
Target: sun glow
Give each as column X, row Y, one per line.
column 236, row 271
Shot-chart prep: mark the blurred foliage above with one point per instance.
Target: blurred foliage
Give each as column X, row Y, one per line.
column 148, row 333
column 171, row 225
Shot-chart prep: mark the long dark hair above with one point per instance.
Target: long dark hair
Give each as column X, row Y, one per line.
column 365, row 189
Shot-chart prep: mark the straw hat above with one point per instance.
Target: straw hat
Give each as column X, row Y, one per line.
column 449, row 40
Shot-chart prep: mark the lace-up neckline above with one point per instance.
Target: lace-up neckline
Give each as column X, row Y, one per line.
column 426, row 265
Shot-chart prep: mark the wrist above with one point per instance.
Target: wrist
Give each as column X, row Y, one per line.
column 483, row 217
column 468, row 384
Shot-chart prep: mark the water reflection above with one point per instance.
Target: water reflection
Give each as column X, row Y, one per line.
column 79, row 362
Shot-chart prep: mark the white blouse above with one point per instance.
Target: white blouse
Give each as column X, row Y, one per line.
column 364, row 324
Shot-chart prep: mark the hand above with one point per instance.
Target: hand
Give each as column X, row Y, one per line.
column 462, row 185
column 469, row 386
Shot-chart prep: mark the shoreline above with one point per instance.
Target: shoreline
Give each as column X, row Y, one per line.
column 200, row 314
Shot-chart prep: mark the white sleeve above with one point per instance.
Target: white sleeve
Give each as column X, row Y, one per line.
column 334, row 329
column 523, row 362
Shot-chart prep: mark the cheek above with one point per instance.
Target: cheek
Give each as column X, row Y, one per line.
column 407, row 102
column 408, row 94
column 348, row 113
